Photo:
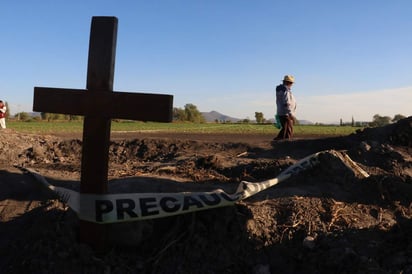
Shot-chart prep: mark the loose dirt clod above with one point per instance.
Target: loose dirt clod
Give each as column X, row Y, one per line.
column 329, row 219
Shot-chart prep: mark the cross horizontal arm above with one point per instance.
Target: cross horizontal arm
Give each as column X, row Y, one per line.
column 120, row 105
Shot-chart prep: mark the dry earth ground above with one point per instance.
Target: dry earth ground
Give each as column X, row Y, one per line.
column 328, row 219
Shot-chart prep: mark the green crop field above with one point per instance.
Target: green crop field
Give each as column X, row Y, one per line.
column 44, row 127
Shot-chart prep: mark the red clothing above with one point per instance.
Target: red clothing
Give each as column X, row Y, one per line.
column 2, row 114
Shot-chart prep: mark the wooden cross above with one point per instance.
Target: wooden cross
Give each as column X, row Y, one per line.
column 99, row 104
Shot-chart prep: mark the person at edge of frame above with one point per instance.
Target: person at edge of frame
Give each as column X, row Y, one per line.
column 286, row 107
column 3, row 110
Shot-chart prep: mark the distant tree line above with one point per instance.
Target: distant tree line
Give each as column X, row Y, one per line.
column 57, row 116
column 190, row 113
column 26, row 117
column 377, row 121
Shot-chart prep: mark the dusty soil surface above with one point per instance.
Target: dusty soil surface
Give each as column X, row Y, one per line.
column 323, row 220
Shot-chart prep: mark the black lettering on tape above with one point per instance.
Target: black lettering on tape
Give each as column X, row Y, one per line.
column 253, row 188
column 169, row 204
column 147, row 205
column 228, row 198
column 125, row 206
column 102, row 207
column 215, row 199
column 191, row 201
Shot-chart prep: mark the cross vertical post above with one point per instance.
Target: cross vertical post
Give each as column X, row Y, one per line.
column 99, row 104
column 96, row 129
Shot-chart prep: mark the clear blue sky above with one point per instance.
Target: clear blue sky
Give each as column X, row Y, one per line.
column 350, row 58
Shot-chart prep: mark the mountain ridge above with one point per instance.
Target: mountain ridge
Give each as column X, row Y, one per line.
column 213, row 116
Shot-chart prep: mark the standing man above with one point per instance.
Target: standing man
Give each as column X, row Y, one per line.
column 3, row 110
column 286, row 107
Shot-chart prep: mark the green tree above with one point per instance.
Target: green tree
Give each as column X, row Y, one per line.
column 179, row 114
column 23, row 116
column 73, row 117
column 45, row 116
column 192, row 114
column 379, row 121
column 398, row 117
column 259, row 117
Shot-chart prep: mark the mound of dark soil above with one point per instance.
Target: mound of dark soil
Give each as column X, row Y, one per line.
column 327, row 219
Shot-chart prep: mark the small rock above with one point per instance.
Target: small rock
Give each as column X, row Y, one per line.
column 309, row 242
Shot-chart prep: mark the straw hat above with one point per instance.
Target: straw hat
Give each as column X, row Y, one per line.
column 289, row 78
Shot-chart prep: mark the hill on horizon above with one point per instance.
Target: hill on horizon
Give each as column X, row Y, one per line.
column 212, row 116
